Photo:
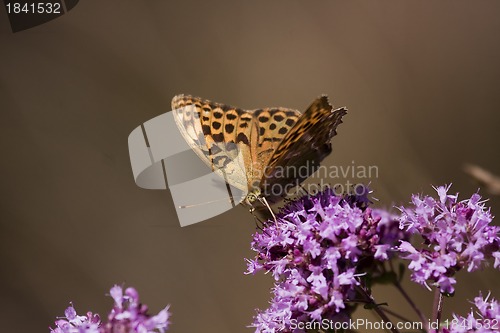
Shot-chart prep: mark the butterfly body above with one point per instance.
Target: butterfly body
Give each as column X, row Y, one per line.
column 252, row 148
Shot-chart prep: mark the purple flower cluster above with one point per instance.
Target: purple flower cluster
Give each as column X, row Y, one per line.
column 456, row 234
column 317, row 251
column 73, row 323
column 127, row 316
column 485, row 318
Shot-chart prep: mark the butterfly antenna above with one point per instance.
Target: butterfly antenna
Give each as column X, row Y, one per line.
column 265, row 203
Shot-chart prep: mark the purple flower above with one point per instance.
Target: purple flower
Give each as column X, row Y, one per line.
column 456, row 234
column 485, row 318
column 317, row 250
column 73, row 323
column 127, row 316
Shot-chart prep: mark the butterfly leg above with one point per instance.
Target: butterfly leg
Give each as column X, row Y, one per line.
column 248, row 205
column 259, row 218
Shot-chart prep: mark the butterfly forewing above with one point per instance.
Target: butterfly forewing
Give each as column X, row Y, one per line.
column 212, row 133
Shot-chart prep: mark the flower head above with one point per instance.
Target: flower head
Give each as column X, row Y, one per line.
column 127, row 316
column 485, row 318
column 316, row 251
column 73, row 323
column 456, row 234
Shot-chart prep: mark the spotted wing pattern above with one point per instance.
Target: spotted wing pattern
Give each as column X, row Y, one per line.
column 303, row 148
column 237, row 144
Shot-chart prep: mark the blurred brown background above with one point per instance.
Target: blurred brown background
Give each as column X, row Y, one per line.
column 421, row 81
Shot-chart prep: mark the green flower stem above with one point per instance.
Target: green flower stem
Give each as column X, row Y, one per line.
column 437, row 308
column 408, row 299
column 376, row 308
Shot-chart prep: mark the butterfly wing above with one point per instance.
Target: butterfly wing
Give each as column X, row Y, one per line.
column 302, row 149
column 210, row 129
column 271, row 127
column 218, row 132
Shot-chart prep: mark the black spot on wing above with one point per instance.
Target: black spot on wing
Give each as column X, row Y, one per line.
column 206, row 129
column 219, row 137
column 272, row 139
column 242, row 138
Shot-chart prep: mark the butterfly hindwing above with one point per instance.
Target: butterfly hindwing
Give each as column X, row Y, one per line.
column 303, row 148
column 272, row 125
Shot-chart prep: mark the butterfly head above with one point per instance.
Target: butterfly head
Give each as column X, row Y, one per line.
column 252, row 196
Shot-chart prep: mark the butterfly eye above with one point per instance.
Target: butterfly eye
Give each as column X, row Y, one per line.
column 251, row 197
